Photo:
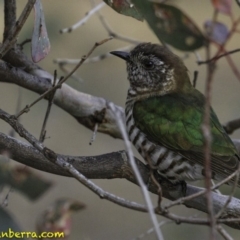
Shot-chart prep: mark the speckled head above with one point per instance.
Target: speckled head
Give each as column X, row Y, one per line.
column 152, row 67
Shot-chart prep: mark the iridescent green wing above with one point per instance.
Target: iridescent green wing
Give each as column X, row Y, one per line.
column 175, row 120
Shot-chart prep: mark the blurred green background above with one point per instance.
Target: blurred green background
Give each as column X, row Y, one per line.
column 102, row 219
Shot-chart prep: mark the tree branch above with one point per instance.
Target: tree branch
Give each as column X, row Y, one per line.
column 9, row 17
column 231, row 126
column 117, row 165
column 87, row 109
column 8, row 43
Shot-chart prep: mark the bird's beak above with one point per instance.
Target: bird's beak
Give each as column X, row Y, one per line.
column 123, row 55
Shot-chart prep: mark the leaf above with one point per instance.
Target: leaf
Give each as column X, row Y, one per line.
column 40, row 40
column 125, row 7
column 223, row 6
column 57, row 217
column 171, row 25
column 23, row 180
column 216, row 31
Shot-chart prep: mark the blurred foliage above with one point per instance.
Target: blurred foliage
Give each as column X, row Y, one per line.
column 8, row 222
column 169, row 23
column 57, row 216
column 23, row 180
column 223, row 6
column 216, row 31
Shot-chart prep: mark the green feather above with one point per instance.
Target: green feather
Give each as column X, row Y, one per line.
column 175, row 121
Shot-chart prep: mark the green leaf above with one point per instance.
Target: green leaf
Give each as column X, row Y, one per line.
column 125, row 7
column 171, row 25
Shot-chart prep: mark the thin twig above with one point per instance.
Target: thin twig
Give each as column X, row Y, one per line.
column 215, row 190
column 221, row 48
column 151, row 230
column 8, row 43
column 218, row 57
column 18, row 107
column 195, row 77
column 231, row 126
column 64, row 79
column 6, row 198
column 50, row 102
column 83, row 20
column 216, row 186
column 113, row 34
column 9, row 18
column 94, row 134
column 118, row 118
column 207, row 146
column 28, row 40
column 224, row 233
column 63, row 61
column 198, row 56
column 221, row 211
column 74, row 76
column 233, row 66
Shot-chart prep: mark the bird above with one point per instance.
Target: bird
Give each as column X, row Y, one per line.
column 164, row 114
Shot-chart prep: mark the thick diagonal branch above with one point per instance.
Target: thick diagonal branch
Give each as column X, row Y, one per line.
column 114, row 165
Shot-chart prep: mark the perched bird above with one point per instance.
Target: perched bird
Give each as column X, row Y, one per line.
column 164, row 115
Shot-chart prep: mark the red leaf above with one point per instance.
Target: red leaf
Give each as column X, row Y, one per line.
column 124, row 7
column 223, row 6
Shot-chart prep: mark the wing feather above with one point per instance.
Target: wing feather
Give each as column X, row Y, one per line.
column 175, row 120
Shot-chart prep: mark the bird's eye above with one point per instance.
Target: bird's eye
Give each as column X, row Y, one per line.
column 148, row 64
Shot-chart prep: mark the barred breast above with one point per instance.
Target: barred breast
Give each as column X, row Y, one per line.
column 169, row 164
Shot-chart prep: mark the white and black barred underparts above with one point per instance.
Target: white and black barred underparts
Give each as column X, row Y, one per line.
column 169, row 164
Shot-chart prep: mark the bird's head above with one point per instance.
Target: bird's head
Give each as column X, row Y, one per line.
column 152, row 67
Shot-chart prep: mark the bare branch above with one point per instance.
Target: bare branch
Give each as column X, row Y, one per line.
column 224, row 233
column 9, row 17
column 116, row 35
column 87, row 109
column 116, row 165
column 231, row 126
column 63, row 61
column 83, row 20
column 218, row 57
column 187, row 198
column 59, row 161
column 221, row 212
column 151, row 230
column 8, row 43
column 64, row 79
column 94, row 134
column 137, row 174
column 207, row 146
column 195, row 77
column 50, row 102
